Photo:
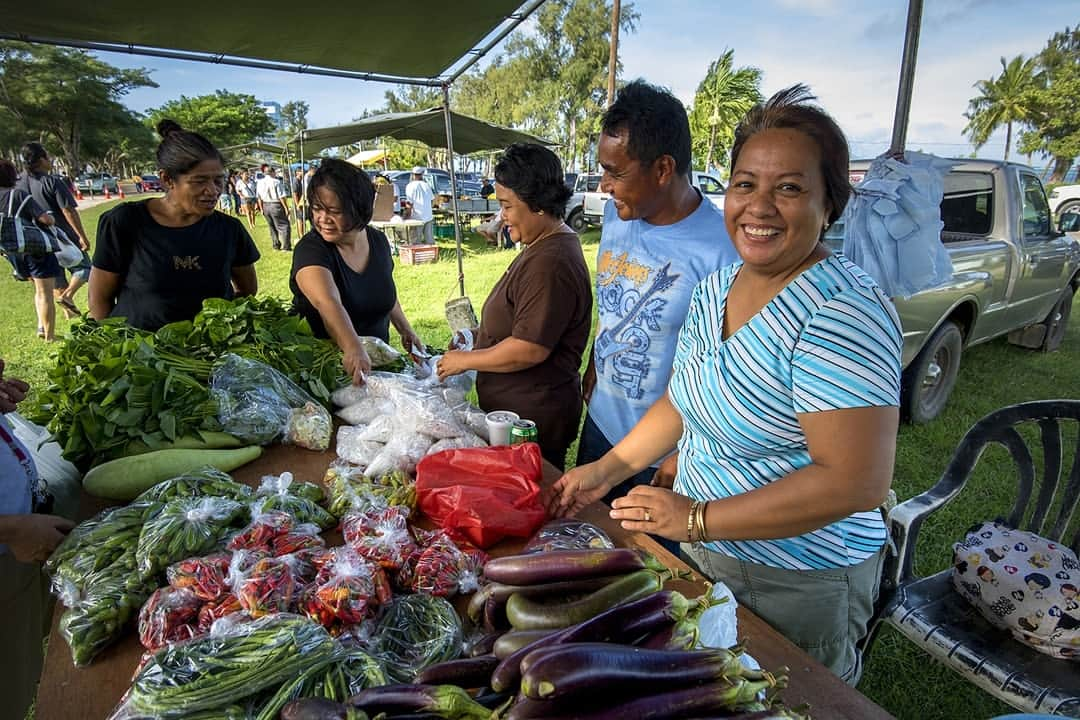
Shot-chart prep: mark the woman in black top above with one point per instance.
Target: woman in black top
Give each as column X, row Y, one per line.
column 342, row 273
column 157, row 260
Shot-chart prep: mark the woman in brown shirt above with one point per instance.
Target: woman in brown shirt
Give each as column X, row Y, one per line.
column 535, row 322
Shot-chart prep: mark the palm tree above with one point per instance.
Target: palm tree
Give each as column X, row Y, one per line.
column 722, row 99
column 1001, row 101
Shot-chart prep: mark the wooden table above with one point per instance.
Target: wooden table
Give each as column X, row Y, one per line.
column 92, row 692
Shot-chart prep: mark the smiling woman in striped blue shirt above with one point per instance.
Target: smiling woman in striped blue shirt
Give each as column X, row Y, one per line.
column 783, row 401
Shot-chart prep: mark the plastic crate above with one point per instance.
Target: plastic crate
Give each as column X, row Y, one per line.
column 418, row 254
column 444, row 230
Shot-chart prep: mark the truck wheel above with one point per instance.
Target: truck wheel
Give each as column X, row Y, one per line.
column 1072, row 206
column 576, row 221
column 1057, row 322
column 929, row 380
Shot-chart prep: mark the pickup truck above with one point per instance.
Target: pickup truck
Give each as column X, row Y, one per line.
column 1065, row 198
column 1014, row 275
column 586, row 205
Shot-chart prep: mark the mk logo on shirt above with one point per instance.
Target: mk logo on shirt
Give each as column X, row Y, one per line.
column 191, row 262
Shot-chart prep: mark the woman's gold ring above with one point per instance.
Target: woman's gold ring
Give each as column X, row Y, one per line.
column 648, row 516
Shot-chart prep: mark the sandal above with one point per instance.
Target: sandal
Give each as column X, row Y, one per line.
column 70, row 308
column 41, row 332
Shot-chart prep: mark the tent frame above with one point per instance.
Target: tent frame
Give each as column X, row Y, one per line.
column 470, row 58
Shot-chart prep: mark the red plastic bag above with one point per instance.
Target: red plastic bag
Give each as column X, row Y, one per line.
column 483, row 494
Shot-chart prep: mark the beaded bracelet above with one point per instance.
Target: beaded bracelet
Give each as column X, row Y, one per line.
column 690, row 520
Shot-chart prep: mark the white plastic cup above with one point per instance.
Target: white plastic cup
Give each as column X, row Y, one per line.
column 499, row 423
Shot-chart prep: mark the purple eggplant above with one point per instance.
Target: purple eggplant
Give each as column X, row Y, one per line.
column 575, row 668
column 447, row 701
column 562, row 565
column 467, row 673
column 527, row 614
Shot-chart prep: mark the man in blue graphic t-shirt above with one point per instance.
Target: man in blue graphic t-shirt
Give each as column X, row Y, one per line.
column 660, row 238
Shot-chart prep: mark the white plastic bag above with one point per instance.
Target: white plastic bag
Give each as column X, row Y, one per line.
column 365, row 411
column 352, row 449
column 349, row 395
column 468, row 440
column 380, row 430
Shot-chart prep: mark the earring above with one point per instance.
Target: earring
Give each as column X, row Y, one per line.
column 540, row 213
column 825, row 226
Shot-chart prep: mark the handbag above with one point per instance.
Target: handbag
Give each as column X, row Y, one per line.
column 68, row 254
column 24, row 237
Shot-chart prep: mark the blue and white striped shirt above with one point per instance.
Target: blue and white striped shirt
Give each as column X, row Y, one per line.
column 829, row 340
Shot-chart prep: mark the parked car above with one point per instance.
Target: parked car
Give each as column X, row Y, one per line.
column 147, row 183
column 586, row 205
column 1064, row 198
column 96, row 183
column 1014, row 275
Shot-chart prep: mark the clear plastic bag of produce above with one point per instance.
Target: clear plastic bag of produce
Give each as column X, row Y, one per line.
column 205, row 577
column 225, row 667
column 92, row 546
column 378, row 351
column 351, row 448
column 347, row 590
column 169, row 615
column 349, row 489
column 302, row 540
column 276, row 493
column 405, row 449
column 365, row 411
column 350, row 671
column 261, row 531
column 468, row 440
column 184, row 528
column 381, row 536
column 415, row 631
column 379, row 430
column 568, row 534
column 225, row 606
column 102, row 616
column 425, row 412
column 260, row 405
column 348, row 395
column 271, row 585
column 208, row 481
column 443, row 568
column 474, row 419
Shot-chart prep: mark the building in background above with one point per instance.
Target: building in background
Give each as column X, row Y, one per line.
column 272, row 109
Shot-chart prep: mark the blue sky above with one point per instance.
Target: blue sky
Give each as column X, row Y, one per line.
column 847, row 51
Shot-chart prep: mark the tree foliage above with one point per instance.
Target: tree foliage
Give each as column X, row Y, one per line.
column 225, row 118
column 723, row 97
column 70, row 100
column 294, row 115
column 1002, row 100
column 1054, row 121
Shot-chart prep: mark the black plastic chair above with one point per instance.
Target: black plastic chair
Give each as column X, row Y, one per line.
column 929, row 611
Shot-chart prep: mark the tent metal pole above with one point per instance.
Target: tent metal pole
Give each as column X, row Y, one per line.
column 453, row 186
column 907, row 78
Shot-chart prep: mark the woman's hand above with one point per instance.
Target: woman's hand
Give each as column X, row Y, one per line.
column 454, row 362
column 12, row 392
column 356, row 362
column 579, row 487
column 411, row 341
column 653, row 510
column 33, row 538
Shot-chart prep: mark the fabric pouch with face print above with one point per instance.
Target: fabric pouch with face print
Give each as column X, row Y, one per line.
column 1022, row 583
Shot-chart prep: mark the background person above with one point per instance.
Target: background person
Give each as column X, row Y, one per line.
column 660, row 238
column 27, row 538
column 158, row 259
column 274, row 205
column 298, row 201
column 342, row 276
column 245, row 188
column 41, row 270
column 422, row 203
column 784, row 401
column 52, row 193
column 535, row 323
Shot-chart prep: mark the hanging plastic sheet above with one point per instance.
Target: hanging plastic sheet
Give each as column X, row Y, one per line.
column 892, row 225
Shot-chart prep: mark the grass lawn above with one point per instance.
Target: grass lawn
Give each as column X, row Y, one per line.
column 898, row 676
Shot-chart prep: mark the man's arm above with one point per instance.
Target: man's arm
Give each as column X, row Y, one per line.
column 72, row 216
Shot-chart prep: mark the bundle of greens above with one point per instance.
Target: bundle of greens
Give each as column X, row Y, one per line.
column 117, row 390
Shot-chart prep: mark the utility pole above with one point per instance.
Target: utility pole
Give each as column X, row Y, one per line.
column 613, row 59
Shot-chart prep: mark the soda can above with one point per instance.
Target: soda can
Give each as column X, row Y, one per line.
column 523, row 431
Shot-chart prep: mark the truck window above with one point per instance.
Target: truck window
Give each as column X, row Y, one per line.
column 966, row 206
column 1036, row 210
column 709, row 185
